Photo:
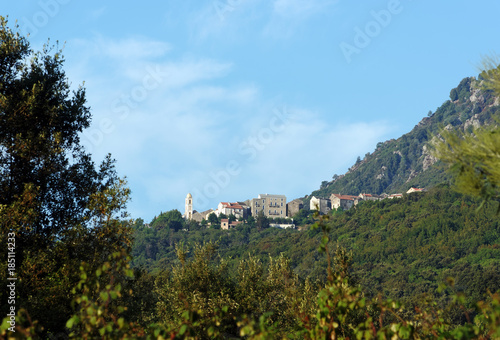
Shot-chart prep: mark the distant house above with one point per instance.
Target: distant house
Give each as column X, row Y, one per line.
column 200, row 216
column 323, row 205
column 282, row 226
column 345, row 202
column 395, row 196
column 236, row 209
column 234, row 224
column 225, row 225
column 370, row 197
column 415, row 190
column 293, row 207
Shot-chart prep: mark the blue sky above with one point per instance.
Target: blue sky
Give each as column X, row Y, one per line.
column 228, row 99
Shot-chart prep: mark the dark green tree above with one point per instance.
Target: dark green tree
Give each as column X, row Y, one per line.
column 323, row 185
column 261, row 222
column 212, row 219
column 62, row 208
column 171, row 219
column 475, row 157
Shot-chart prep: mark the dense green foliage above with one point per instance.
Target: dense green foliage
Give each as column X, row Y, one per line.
column 72, row 245
column 401, row 247
column 57, row 208
column 475, row 156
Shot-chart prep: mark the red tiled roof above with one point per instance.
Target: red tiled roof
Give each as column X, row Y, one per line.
column 232, row 205
column 346, row 197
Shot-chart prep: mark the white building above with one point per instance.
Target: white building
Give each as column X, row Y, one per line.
column 237, row 209
column 323, row 205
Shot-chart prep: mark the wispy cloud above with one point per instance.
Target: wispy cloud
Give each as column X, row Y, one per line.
column 124, row 49
column 176, row 135
column 288, row 15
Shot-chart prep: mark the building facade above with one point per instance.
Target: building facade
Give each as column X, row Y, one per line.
column 200, row 216
column 271, row 206
column 323, row 205
column 239, row 210
column 293, row 207
column 345, row 202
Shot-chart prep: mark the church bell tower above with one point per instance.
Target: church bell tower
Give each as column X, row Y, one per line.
column 188, row 211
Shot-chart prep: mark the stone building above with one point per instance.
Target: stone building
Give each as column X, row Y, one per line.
column 323, row 205
column 226, row 225
column 294, row 206
column 345, row 202
column 271, row 205
column 200, row 216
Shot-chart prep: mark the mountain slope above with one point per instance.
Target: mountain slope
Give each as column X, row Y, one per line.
column 398, row 164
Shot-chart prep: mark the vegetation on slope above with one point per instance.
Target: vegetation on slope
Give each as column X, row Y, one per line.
column 72, row 266
column 402, row 247
column 397, row 165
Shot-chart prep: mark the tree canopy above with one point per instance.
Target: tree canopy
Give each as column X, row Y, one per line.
column 61, row 207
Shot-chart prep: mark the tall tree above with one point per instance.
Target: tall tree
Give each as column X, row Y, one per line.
column 61, row 208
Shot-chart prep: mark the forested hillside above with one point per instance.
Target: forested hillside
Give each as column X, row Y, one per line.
column 398, row 164
column 402, row 247
column 76, row 267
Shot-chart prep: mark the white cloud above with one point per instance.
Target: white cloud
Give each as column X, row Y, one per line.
column 122, row 50
column 290, row 159
column 186, row 130
column 288, row 15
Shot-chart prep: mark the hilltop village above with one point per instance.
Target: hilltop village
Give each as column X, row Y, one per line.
column 276, row 206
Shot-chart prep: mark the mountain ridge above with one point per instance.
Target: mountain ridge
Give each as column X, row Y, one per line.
column 398, row 164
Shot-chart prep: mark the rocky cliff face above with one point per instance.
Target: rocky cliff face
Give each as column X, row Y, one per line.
column 400, row 163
